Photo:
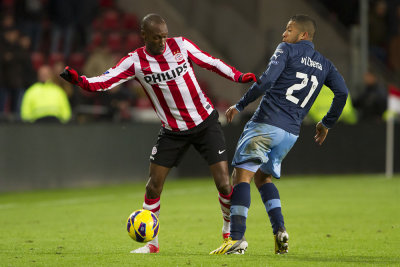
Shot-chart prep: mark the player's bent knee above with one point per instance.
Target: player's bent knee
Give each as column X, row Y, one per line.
column 260, row 180
column 224, row 189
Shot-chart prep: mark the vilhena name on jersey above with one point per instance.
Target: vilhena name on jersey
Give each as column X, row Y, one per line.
column 309, row 62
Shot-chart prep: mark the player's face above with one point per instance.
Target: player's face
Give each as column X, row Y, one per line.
column 292, row 34
column 155, row 37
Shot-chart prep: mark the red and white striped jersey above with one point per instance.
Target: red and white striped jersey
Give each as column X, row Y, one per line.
column 168, row 80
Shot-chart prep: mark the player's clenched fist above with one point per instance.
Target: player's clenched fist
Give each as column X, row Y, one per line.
column 248, row 77
column 70, row 75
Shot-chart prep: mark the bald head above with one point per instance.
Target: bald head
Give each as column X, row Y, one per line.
column 151, row 20
column 154, row 33
column 305, row 24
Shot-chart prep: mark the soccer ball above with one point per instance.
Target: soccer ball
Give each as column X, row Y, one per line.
column 142, row 226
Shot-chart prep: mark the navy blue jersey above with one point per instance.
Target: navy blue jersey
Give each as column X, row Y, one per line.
column 291, row 83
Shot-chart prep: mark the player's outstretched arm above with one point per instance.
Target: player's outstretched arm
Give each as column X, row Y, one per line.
column 231, row 113
column 321, row 133
column 114, row 76
column 205, row 60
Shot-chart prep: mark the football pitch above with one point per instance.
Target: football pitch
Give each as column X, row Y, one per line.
column 351, row 220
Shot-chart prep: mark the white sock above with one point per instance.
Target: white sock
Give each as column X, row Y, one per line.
column 154, row 206
column 225, row 203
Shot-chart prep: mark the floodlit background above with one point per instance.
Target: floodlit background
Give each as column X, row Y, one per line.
column 107, row 137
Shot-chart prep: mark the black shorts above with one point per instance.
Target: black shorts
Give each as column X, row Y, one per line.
column 208, row 139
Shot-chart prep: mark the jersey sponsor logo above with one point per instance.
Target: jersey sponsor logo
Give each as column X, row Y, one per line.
column 309, row 62
column 168, row 75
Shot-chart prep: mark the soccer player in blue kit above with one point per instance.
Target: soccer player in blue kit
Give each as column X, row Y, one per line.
column 294, row 77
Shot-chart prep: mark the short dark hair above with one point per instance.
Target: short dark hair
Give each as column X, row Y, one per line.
column 151, row 18
column 306, row 23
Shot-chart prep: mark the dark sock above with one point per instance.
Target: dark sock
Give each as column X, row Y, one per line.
column 240, row 204
column 270, row 196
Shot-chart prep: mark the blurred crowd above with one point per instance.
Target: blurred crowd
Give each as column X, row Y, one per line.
column 384, row 26
column 38, row 38
column 43, row 36
column 384, row 49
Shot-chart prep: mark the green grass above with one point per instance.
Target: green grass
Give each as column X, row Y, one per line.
column 332, row 221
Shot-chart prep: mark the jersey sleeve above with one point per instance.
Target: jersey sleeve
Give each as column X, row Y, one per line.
column 338, row 86
column 209, row 62
column 275, row 67
column 122, row 72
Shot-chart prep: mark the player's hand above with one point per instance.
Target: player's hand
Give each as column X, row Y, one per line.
column 248, row 77
column 231, row 113
column 321, row 133
column 70, row 75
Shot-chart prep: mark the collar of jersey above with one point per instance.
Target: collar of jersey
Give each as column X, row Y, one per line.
column 306, row 42
column 156, row 56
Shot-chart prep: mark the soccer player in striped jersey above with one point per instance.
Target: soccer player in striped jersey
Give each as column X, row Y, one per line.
column 164, row 69
column 294, row 77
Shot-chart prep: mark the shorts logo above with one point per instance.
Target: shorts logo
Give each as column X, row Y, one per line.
column 221, row 151
column 179, row 57
column 154, row 150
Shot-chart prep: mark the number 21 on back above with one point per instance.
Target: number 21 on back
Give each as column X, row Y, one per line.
column 299, row 86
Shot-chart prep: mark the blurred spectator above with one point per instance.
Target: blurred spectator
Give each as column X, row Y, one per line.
column 7, row 21
column 29, row 74
column 45, row 101
column 378, row 30
column 30, row 15
column 132, row 42
column 12, row 71
column 85, row 12
column 98, row 61
column 394, row 17
column 394, row 53
column 372, row 102
column 343, row 10
column 71, row 24
column 394, row 44
column 91, row 106
column 62, row 17
column 323, row 103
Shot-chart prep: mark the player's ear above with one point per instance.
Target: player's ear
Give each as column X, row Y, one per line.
column 304, row 36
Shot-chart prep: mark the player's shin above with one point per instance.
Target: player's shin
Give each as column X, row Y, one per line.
column 240, row 204
column 225, row 203
column 270, row 197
